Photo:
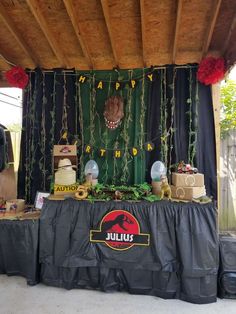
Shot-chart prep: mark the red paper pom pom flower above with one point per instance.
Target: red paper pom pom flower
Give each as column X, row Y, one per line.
column 211, row 70
column 16, row 77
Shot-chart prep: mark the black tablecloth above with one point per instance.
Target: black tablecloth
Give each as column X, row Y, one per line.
column 178, row 258
column 19, row 249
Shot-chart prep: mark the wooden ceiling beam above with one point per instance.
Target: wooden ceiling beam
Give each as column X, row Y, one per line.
column 105, row 9
column 7, row 64
column 208, row 37
column 40, row 18
column 75, row 22
column 231, row 29
column 143, row 32
column 177, row 27
column 17, row 35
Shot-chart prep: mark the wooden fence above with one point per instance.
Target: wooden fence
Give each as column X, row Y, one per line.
column 227, row 210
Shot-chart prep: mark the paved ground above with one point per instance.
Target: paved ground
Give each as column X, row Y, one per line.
column 18, row 298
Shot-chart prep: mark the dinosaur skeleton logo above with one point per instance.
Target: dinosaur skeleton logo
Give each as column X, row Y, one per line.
column 120, row 231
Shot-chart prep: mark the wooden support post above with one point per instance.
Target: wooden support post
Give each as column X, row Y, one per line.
column 216, row 109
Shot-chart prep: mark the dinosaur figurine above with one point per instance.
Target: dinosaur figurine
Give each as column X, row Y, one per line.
column 165, row 188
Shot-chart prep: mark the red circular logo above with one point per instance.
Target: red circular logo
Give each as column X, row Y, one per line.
column 120, row 227
column 119, row 230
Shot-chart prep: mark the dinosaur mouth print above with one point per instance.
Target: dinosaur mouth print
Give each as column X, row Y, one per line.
column 119, row 230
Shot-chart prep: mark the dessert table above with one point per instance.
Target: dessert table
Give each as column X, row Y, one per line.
column 19, row 246
column 165, row 249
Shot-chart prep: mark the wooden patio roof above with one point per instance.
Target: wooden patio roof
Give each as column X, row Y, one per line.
column 105, row 34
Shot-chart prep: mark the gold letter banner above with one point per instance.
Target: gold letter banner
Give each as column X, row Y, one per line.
column 134, row 151
column 88, row 149
column 102, row 152
column 82, row 79
column 99, row 85
column 150, row 77
column 117, row 85
column 117, row 153
column 133, row 83
column 149, row 146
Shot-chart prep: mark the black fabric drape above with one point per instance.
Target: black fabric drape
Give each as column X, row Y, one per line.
column 181, row 260
column 55, row 102
column 189, row 123
column 19, row 249
column 178, row 118
column 206, row 147
column 42, row 123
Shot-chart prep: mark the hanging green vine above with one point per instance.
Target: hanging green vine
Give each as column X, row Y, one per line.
column 164, row 138
column 64, row 120
column 161, row 127
column 125, row 135
column 142, row 123
column 81, row 122
column 195, row 132
column 76, row 107
column 92, row 112
column 32, row 117
column 171, row 129
column 105, row 141
column 53, row 114
column 189, row 112
column 27, row 136
column 115, row 166
column 53, row 124
column 42, row 160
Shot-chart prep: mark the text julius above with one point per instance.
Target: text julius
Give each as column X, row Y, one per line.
column 119, row 237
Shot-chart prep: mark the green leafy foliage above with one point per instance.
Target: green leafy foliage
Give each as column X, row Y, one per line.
column 228, row 102
column 134, row 193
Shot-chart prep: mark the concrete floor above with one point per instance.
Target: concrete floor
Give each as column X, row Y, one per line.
column 18, row 298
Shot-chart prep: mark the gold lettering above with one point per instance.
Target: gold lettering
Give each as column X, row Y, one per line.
column 65, row 188
column 82, row 78
column 100, row 85
column 150, row 77
column 133, row 83
column 149, row 147
column 64, row 135
column 88, row 149
column 117, row 153
column 134, row 151
column 117, row 85
column 102, row 152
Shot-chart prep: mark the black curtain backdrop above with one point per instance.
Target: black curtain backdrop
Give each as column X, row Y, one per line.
column 181, row 122
column 56, row 101
column 174, row 111
column 206, row 148
column 42, row 124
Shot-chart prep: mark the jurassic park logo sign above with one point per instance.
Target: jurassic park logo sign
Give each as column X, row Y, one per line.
column 120, row 231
